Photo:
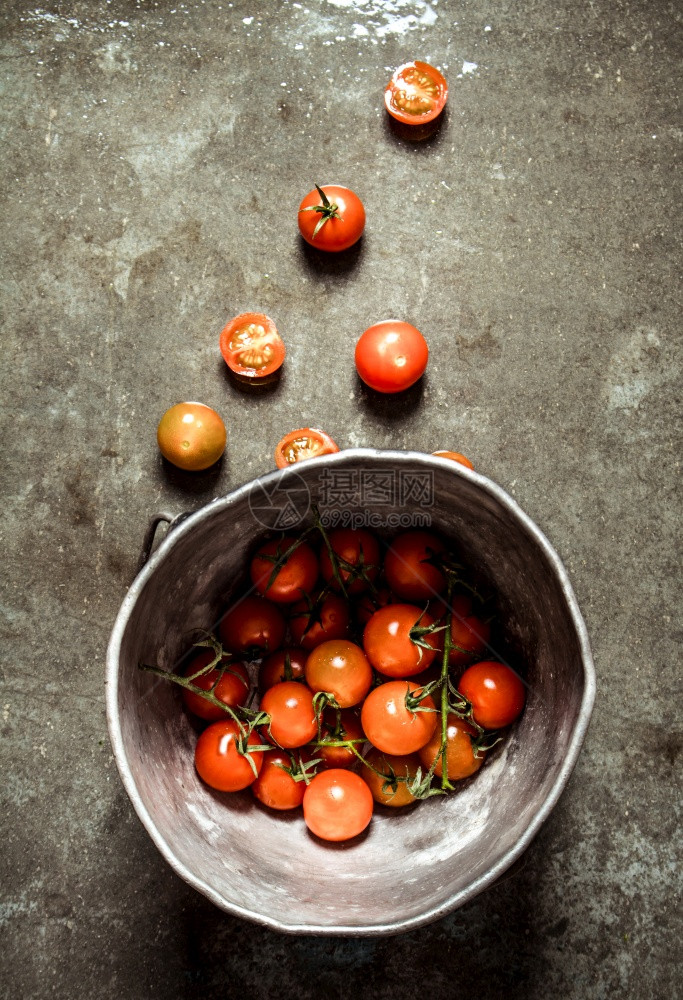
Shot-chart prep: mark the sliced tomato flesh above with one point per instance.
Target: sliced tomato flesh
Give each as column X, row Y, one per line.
column 251, row 346
column 297, row 446
column 417, row 93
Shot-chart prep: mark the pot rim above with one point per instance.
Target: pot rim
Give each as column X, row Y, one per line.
column 542, row 813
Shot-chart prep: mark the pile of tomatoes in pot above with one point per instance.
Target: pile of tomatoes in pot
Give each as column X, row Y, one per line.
column 352, row 672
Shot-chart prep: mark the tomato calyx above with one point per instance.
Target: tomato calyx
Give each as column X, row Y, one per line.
column 279, row 558
column 418, row 632
column 327, row 209
column 299, row 769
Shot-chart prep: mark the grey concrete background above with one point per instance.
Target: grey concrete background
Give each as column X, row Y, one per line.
column 154, row 155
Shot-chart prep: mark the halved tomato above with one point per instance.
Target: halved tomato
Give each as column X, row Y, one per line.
column 302, row 444
column 251, row 346
column 416, row 93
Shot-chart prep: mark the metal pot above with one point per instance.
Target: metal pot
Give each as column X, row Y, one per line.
column 407, row 869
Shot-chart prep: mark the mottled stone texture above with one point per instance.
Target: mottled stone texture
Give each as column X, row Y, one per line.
column 154, row 155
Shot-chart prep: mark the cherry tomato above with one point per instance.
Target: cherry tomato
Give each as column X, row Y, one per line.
column 469, row 639
column 251, row 346
column 460, row 759
column 342, row 669
column 313, row 622
column 292, row 717
column 358, row 556
column 275, row 786
column 391, row 723
column 495, row 692
column 296, row 576
column 455, row 456
column 416, row 93
column 331, row 217
column 337, row 805
column 389, row 640
column 369, row 603
column 409, row 568
column 297, row 446
column 252, row 626
column 274, row 668
column 232, row 688
column 191, row 436
column 391, row 356
column 337, row 727
column 385, row 788
column 218, row 760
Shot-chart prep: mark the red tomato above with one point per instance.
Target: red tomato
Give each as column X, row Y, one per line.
column 337, row 805
column 252, row 626
column 408, row 567
column 296, row 576
column 357, row 553
column 331, row 217
column 232, row 688
column 460, row 759
column 251, row 346
column 275, row 786
column 218, row 760
column 341, row 668
column 384, row 787
column 495, row 692
column 455, row 456
column 469, row 639
column 312, row 622
column 191, row 436
column 388, row 644
column 416, row 93
column 337, row 727
column 390, row 722
column 292, row 717
column 297, row 446
column 274, row 668
column 391, row 356
column 369, row 603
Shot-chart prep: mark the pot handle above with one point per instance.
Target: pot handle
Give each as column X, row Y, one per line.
column 148, row 540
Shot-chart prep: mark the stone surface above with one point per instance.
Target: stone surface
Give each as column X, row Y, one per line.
column 154, row 158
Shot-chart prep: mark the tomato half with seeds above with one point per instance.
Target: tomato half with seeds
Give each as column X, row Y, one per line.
column 338, row 805
column 495, row 692
column 219, row 761
column 460, row 759
column 191, row 436
column 315, row 621
column 292, row 717
column 296, row 575
column 251, row 346
column 454, row 456
column 416, row 93
column 298, row 446
column 340, row 668
column 391, row 356
column 394, row 722
column 411, row 565
column 390, row 787
column 252, row 627
column 229, row 680
column 395, row 643
column 331, row 217
column 276, row 786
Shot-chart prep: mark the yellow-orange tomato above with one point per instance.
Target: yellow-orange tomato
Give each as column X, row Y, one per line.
column 191, row 436
column 455, row 456
column 387, row 790
column 460, row 759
